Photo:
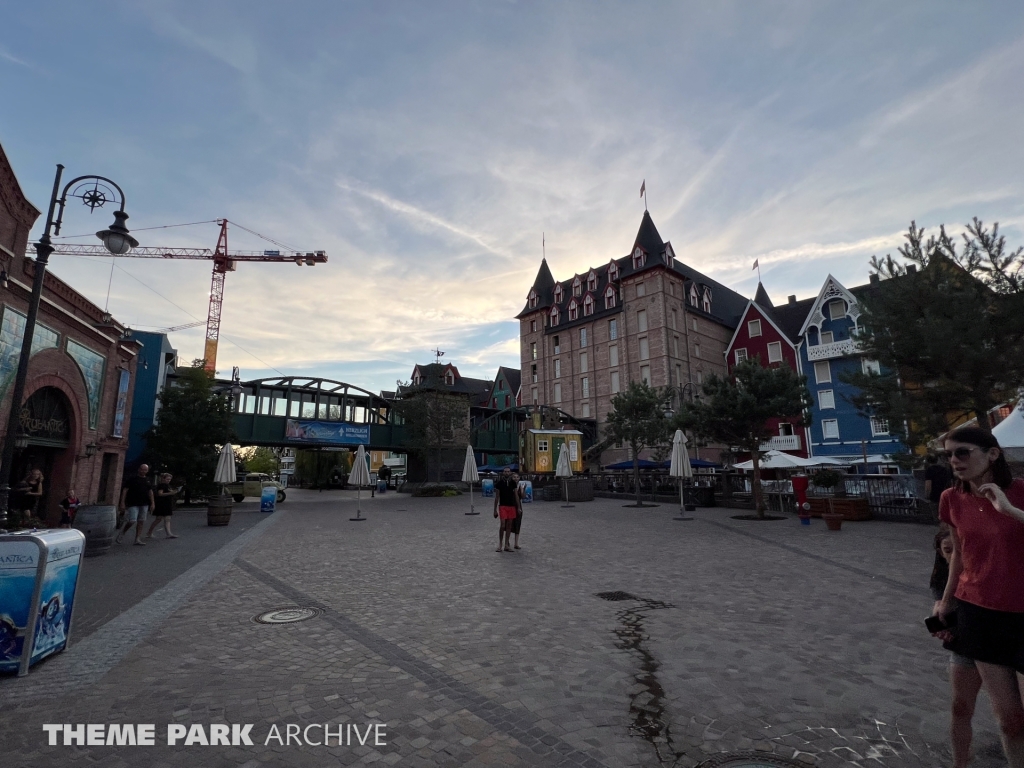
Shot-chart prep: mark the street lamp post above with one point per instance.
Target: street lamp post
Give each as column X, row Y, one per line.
column 94, row 192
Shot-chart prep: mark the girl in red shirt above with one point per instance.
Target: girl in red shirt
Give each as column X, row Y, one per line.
column 985, row 510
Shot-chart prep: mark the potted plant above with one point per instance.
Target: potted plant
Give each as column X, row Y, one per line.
column 829, row 479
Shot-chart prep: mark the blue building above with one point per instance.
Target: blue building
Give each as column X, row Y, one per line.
column 826, row 351
column 156, row 359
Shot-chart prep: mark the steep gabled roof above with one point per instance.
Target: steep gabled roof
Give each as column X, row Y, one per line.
column 544, row 285
column 647, row 237
column 762, row 298
column 790, row 317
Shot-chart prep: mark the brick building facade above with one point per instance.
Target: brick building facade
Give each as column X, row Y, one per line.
column 643, row 317
column 75, row 417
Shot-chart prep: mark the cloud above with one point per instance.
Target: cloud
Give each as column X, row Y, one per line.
column 8, row 56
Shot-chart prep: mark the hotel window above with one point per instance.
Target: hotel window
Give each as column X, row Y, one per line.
column 574, row 310
column 645, row 374
column 679, row 374
column 785, row 429
column 583, row 362
column 672, row 318
column 577, row 287
column 837, row 309
column 613, row 329
column 583, row 337
column 871, row 367
column 645, row 350
column 830, row 429
column 754, row 328
column 585, row 386
column 613, row 271
column 558, row 392
column 696, row 351
column 533, row 372
column 558, row 293
column 695, row 324
column 532, row 300
column 554, row 340
column 638, row 259
column 706, row 304
column 740, row 354
column 775, row 352
column 533, row 326
column 700, row 377
column 641, row 290
column 675, row 346
column 586, row 409
column 826, row 399
column 826, row 337
column 558, row 369
column 534, row 395
column 641, row 320
column 554, row 315
column 671, row 288
column 542, row 446
column 879, row 426
column 693, row 295
column 533, row 350
column 588, row 305
column 615, row 382
column 592, row 281
column 609, row 298
column 822, row 372
column 613, row 355
column 449, row 378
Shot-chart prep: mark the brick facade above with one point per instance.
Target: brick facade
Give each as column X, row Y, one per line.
column 72, row 317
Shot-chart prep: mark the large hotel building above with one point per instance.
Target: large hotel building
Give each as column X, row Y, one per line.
column 643, row 317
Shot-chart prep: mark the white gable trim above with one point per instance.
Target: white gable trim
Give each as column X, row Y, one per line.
column 761, row 315
column 832, row 289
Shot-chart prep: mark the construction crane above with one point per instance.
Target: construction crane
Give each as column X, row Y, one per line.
column 174, row 328
column 223, row 262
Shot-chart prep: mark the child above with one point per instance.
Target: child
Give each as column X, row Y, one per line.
column 69, row 504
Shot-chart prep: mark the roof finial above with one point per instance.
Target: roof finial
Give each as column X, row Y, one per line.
column 438, row 354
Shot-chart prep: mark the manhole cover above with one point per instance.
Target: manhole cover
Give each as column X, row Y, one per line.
column 286, row 615
column 615, row 596
column 749, row 760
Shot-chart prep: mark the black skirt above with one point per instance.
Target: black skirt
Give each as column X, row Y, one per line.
column 518, row 522
column 993, row 637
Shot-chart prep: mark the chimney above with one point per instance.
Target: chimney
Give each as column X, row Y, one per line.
column 873, row 278
column 792, row 299
column 911, row 269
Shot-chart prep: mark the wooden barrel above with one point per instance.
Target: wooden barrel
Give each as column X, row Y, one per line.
column 218, row 510
column 99, row 524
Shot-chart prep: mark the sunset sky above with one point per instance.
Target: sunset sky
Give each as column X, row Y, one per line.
column 426, row 147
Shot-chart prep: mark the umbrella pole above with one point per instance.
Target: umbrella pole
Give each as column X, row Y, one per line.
column 682, row 504
column 472, row 509
column 567, row 505
column 359, row 512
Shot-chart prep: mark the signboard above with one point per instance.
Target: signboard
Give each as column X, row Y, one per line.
column 526, row 486
column 122, row 405
column 337, row 432
column 268, row 499
column 487, row 488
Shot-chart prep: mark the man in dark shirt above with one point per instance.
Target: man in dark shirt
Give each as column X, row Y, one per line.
column 136, row 503
column 937, row 478
column 506, row 506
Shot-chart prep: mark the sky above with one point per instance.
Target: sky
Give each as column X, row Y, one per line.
column 427, row 146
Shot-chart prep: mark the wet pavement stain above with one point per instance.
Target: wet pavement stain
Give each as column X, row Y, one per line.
column 648, row 719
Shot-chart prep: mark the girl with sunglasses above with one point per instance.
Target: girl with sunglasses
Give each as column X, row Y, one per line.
column 985, row 511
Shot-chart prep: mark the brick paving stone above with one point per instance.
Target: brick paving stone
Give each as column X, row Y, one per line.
column 767, row 636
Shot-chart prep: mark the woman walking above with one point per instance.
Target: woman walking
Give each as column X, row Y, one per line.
column 163, row 506
column 985, row 512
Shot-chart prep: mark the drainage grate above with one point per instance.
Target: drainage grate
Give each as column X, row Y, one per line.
column 287, row 615
column 750, row 760
column 615, row 597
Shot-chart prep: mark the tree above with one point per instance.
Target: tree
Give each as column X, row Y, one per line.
column 192, row 425
column 947, row 327
column 316, row 467
column 736, row 410
column 638, row 419
column 435, row 422
column 260, row 459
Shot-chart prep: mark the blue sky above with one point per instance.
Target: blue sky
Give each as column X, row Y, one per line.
column 426, row 146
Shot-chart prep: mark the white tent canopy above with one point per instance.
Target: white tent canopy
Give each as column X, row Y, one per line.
column 780, row 460
column 1010, row 434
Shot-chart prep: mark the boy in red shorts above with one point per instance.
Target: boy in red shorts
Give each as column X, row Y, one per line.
column 506, row 506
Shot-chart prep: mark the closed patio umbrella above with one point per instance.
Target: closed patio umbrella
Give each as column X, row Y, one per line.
column 225, row 474
column 470, row 475
column 360, row 476
column 564, row 469
column 680, row 467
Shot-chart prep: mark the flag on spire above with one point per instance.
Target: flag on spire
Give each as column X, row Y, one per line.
column 643, row 188
column 755, row 265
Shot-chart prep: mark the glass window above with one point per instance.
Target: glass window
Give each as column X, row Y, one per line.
column 558, row 392
column 826, row 337
column 645, row 350
column 871, row 367
column 837, row 309
column 645, row 374
column 775, row 352
column 533, row 372
column 542, row 446
column 533, row 350
column 741, row 354
column 641, row 320
column 675, row 346
column 613, row 329
column 879, row 426
column 700, row 377
column 826, row 399
column 585, row 386
column 615, row 382
column 822, row 372
column 533, row 326
column 558, row 369
column 555, row 342
column 830, row 429
column 613, row 355
column 754, row 328
column 696, row 351
column 641, row 290
column 672, row 318
column 583, row 362
column 583, row 337
column 534, row 395
column 586, row 411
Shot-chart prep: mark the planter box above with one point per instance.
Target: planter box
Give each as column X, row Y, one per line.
column 850, row 507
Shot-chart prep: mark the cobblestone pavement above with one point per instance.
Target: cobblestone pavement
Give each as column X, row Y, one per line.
column 719, row 635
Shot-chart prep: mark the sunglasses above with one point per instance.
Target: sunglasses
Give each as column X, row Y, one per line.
column 963, row 453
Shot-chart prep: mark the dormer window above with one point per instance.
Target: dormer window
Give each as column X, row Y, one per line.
column 449, row 378
column 577, row 287
column 694, row 298
column 588, row 305
column 707, row 300
column 609, row 297
column 613, row 272
column 638, row 258
column 558, row 294
column 670, row 257
column 531, row 300
column 416, row 380
column 574, row 310
column 592, row 281
column 554, row 315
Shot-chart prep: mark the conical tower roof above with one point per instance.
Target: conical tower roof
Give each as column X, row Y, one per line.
column 647, row 237
column 761, row 297
column 544, row 286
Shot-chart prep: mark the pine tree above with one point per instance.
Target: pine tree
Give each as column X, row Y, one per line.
column 638, row 419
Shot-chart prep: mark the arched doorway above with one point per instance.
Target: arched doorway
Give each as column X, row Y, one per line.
column 43, row 442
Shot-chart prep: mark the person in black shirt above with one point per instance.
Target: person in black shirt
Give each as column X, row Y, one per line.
column 164, row 506
column 136, row 502
column 506, row 506
column 937, row 478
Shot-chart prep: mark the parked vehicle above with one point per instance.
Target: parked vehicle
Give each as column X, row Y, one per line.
column 253, row 484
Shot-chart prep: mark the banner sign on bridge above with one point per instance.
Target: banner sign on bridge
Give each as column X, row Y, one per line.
column 336, row 432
